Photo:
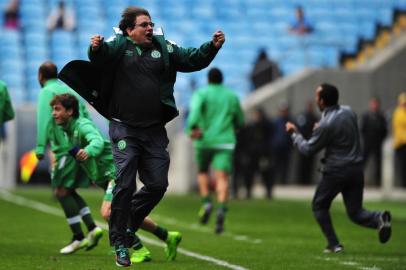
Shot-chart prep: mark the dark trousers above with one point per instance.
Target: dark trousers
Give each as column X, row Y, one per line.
column 350, row 183
column 400, row 161
column 143, row 151
column 305, row 169
column 374, row 152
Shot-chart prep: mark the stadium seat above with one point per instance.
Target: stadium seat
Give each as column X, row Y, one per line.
column 266, row 26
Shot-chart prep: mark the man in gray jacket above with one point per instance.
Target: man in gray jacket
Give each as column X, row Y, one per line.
column 338, row 133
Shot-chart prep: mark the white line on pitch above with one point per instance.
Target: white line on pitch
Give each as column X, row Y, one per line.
column 22, row 201
column 199, row 228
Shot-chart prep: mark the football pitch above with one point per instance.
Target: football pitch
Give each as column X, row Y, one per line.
column 260, row 234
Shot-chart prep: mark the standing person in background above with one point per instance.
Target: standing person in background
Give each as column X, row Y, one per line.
column 258, row 144
column 338, row 133
column 215, row 114
column 374, row 130
column 305, row 123
column 62, row 18
column 138, row 70
column 265, row 70
column 6, row 108
column 281, row 145
column 6, row 114
column 66, row 174
column 399, row 137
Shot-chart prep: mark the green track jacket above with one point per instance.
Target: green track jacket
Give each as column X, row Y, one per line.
column 44, row 115
column 93, row 80
column 84, row 134
column 6, row 108
column 217, row 112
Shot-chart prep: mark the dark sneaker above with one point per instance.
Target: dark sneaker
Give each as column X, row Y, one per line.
column 220, row 222
column 334, row 249
column 122, row 257
column 385, row 227
column 204, row 213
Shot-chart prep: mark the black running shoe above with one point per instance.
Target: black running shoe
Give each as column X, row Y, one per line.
column 334, row 249
column 204, row 213
column 220, row 222
column 385, row 227
column 122, row 257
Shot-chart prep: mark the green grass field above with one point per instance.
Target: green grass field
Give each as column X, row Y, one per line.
column 260, row 234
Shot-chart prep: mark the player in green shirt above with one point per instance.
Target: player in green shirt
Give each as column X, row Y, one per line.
column 66, row 175
column 215, row 114
column 6, row 108
column 93, row 153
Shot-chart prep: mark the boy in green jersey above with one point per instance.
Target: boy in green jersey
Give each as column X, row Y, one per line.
column 66, row 175
column 93, row 153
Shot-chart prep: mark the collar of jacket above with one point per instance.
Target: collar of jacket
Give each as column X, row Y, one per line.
column 157, row 38
column 330, row 109
column 50, row 82
column 68, row 126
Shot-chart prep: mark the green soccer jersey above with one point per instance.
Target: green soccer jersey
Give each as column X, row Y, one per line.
column 216, row 111
column 6, row 109
column 83, row 133
column 52, row 88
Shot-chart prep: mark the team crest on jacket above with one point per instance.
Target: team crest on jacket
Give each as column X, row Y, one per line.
column 121, row 144
column 155, row 54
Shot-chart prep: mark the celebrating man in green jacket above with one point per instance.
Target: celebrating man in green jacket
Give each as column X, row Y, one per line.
column 215, row 114
column 130, row 81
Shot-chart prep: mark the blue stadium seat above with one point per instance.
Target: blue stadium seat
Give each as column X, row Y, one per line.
column 266, row 26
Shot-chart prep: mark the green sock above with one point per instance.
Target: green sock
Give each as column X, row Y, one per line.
column 71, row 211
column 84, row 211
column 222, row 207
column 206, row 199
column 161, row 233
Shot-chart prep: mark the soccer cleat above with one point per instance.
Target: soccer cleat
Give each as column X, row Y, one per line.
column 385, row 227
column 74, row 246
column 172, row 242
column 221, row 215
column 141, row 255
column 122, row 257
column 334, row 249
column 94, row 236
column 204, row 213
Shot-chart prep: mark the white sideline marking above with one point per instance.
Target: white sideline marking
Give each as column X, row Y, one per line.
column 370, row 268
column 348, row 263
column 199, row 228
column 9, row 197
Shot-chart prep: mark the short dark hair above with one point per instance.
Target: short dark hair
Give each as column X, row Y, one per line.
column 128, row 17
column 215, row 76
column 48, row 70
column 329, row 94
column 68, row 101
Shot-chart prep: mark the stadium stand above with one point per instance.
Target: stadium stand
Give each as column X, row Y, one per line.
column 348, row 30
